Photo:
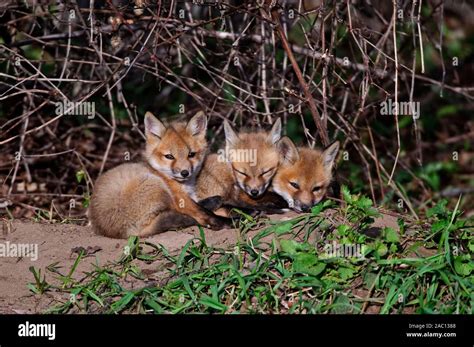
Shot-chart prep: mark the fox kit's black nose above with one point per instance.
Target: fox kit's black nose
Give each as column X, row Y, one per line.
column 254, row 192
column 305, row 208
column 185, row 173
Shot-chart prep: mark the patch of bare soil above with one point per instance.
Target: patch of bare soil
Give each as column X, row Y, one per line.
column 60, row 243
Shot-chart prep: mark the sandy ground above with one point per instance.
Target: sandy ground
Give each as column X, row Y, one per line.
column 58, row 242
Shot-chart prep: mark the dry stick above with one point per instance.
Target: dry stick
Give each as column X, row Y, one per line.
column 136, row 57
column 20, row 154
column 351, row 30
column 394, row 28
column 282, row 81
column 460, row 90
column 220, row 86
column 15, row 86
column 366, row 303
column 379, row 176
column 309, row 98
column 112, row 134
column 380, row 73
column 325, row 77
column 354, row 137
column 264, row 73
column 91, row 20
column 36, row 69
column 68, row 50
column 420, row 38
column 440, row 48
column 365, row 84
column 392, row 184
column 35, row 78
column 369, row 177
column 21, row 117
column 297, row 49
column 412, row 89
column 65, row 112
column 89, row 181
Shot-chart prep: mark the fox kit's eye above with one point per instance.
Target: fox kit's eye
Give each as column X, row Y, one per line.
column 266, row 172
column 295, row 185
column 169, row 156
column 316, row 189
column 191, row 154
column 242, row 173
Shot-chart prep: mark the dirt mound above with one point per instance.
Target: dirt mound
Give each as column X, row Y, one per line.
column 61, row 243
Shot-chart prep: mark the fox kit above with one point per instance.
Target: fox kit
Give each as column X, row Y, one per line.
column 304, row 175
column 147, row 198
column 242, row 172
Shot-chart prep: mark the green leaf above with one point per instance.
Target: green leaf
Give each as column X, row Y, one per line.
column 183, row 253
column 369, row 279
column 33, row 288
column 154, row 305
column 381, row 249
column 343, row 229
column 446, row 110
column 346, row 194
column 86, row 200
column 123, row 302
column 341, row 305
column 188, row 288
column 94, row 296
column 391, row 235
column 439, row 226
column 316, row 210
column 470, row 245
column 289, row 246
column 292, row 247
column 308, row 263
column 438, row 210
column 80, row 176
column 393, row 248
column 364, row 203
column 283, row 228
column 202, row 236
column 463, row 265
column 346, row 273
column 212, row 303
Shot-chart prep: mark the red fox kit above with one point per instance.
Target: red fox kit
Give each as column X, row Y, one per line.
column 304, row 175
column 151, row 197
column 242, row 172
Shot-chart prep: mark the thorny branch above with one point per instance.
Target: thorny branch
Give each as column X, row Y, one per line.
column 246, row 61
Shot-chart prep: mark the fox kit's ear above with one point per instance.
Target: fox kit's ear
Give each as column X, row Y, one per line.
column 153, row 126
column 329, row 155
column 231, row 137
column 287, row 150
column 275, row 133
column 197, row 126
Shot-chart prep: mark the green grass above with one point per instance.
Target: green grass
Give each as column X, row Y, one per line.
column 283, row 267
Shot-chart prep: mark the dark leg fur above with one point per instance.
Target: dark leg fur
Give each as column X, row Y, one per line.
column 173, row 220
column 212, row 203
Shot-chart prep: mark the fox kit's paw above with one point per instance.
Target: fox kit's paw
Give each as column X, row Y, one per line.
column 212, row 203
